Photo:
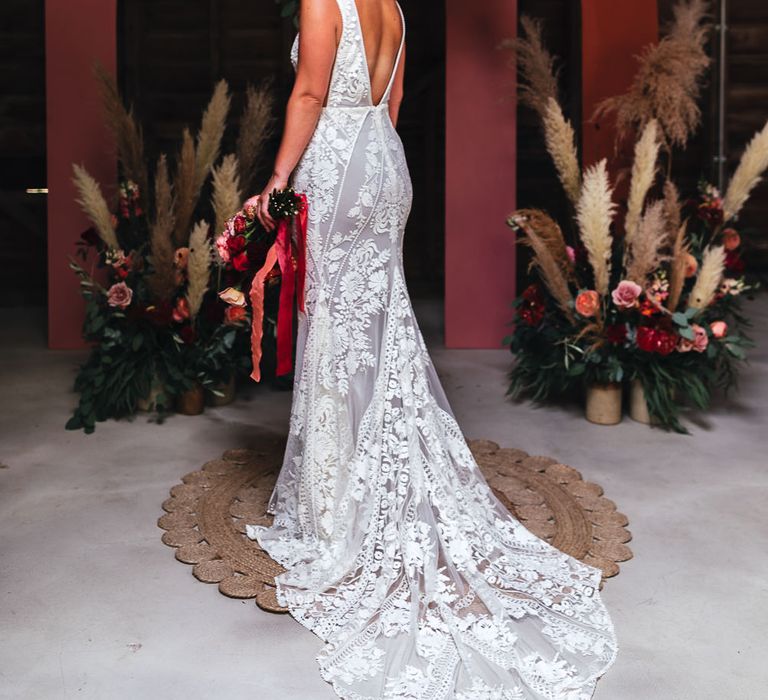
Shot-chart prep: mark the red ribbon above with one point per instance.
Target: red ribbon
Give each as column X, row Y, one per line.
column 292, row 281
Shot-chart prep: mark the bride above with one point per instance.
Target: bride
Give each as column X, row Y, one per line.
column 397, row 553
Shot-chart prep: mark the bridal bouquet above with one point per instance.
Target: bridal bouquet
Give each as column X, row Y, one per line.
column 653, row 296
column 260, row 258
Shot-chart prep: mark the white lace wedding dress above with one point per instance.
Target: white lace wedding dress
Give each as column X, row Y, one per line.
column 398, row 554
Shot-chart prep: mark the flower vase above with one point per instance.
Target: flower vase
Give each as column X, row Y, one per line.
column 191, row 402
column 638, row 406
column 603, row 404
column 226, row 388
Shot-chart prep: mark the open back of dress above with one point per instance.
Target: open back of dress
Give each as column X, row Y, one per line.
column 398, row 554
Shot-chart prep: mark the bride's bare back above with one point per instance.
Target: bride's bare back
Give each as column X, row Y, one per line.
column 381, row 27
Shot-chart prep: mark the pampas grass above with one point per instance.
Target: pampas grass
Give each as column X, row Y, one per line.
column 543, row 236
column 645, row 251
column 748, row 173
column 677, row 268
column 643, row 173
column 672, row 209
column 594, row 213
column 257, row 126
column 162, row 282
column 128, row 136
column 709, row 278
column 226, row 191
column 561, row 145
column 198, row 267
column 536, row 65
column 667, row 85
column 92, row 202
column 195, row 162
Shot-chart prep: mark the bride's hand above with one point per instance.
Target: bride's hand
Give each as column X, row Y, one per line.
column 261, row 201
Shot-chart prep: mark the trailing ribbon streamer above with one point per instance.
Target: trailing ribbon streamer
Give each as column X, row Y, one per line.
column 291, row 281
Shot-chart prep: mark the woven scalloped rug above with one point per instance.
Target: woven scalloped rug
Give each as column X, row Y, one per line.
column 206, row 515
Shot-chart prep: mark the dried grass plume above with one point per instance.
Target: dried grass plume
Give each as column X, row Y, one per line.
column 748, row 173
column 646, row 251
column 536, row 66
column 643, row 173
column 561, row 145
column 198, row 267
column 162, row 282
column 594, row 213
column 226, row 191
column 709, row 278
column 257, row 125
column 92, row 202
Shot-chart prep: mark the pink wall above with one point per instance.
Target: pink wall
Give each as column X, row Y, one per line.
column 480, row 173
column 77, row 33
column 613, row 33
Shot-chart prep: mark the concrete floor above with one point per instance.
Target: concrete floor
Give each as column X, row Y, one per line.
column 95, row 606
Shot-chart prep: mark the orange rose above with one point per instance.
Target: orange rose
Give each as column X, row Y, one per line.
column 731, row 239
column 587, row 303
column 718, row 328
column 234, row 315
column 233, row 297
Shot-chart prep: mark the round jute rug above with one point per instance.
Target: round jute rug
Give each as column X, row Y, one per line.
column 206, row 515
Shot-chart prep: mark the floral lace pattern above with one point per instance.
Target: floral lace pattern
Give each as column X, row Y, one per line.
column 398, row 554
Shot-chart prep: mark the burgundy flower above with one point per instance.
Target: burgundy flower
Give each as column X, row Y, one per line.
column 240, row 224
column 237, row 244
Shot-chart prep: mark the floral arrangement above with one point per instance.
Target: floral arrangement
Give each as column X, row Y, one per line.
column 148, row 269
column 655, row 295
column 261, row 257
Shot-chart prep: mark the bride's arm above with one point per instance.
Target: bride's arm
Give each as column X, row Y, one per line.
column 319, row 21
column 396, row 94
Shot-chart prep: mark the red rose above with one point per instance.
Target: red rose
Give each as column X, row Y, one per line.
column 665, row 342
column 234, row 315
column 236, row 244
column 646, row 338
column 240, row 224
column 240, row 262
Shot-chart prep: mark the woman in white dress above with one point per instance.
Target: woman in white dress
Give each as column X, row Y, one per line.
column 397, row 553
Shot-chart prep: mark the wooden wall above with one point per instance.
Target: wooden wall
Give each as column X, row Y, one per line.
column 171, row 52
column 22, row 152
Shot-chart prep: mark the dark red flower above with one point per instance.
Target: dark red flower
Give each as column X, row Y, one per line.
column 240, row 262
column 236, row 244
column 666, row 342
column 734, row 262
column 188, row 334
column 616, row 333
column 656, row 340
column 240, row 224
column 646, row 338
column 532, row 293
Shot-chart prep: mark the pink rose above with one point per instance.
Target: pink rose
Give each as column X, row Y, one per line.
column 571, row 253
column 587, row 303
column 222, row 247
column 626, row 294
column 719, row 328
column 119, row 295
column 701, row 340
